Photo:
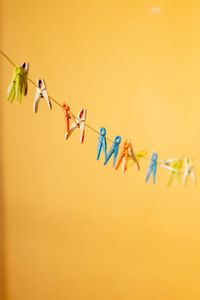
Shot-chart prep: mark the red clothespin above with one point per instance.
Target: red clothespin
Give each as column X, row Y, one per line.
column 68, row 115
column 126, row 153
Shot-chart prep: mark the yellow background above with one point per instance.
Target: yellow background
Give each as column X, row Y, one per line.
column 73, row 228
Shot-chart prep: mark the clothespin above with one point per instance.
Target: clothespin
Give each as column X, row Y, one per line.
column 152, row 167
column 126, row 153
column 102, row 142
column 68, row 115
column 138, row 156
column 41, row 92
column 113, row 150
column 19, row 83
column 176, row 165
column 80, row 121
column 188, row 170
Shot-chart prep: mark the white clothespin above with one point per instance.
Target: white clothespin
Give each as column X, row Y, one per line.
column 41, row 92
column 188, row 170
column 166, row 163
column 81, row 117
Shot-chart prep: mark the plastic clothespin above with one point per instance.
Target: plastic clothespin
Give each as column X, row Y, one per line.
column 19, row 83
column 188, row 170
column 80, row 121
column 102, row 143
column 152, row 167
column 138, row 156
column 41, row 92
column 176, row 165
column 126, row 153
column 68, row 115
column 113, row 150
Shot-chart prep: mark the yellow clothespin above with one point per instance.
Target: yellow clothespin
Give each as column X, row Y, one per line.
column 138, row 155
column 175, row 174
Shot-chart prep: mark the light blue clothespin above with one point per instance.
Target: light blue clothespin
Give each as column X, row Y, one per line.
column 152, row 167
column 102, row 142
column 113, row 150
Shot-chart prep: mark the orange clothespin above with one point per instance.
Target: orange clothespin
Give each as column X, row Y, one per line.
column 126, row 153
column 68, row 115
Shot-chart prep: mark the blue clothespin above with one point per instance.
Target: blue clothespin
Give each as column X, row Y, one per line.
column 113, row 150
column 102, row 142
column 152, row 167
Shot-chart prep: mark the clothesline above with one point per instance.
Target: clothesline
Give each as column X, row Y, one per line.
column 58, row 103
column 160, row 162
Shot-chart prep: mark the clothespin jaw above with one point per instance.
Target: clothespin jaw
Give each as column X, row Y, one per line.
column 18, row 84
column 113, row 150
column 66, row 107
column 188, row 170
column 152, row 167
column 25, row 67
column 41, row 92
column 175, row 173
column 102, row 143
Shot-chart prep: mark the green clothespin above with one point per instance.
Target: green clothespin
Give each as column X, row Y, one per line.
column 19, row 83
column 176, row 165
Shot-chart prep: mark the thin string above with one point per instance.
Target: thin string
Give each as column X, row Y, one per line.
column 93, row 129
column 59, row 104
column 10, row 61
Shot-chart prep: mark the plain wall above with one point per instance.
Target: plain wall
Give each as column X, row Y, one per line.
column 72, row 227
